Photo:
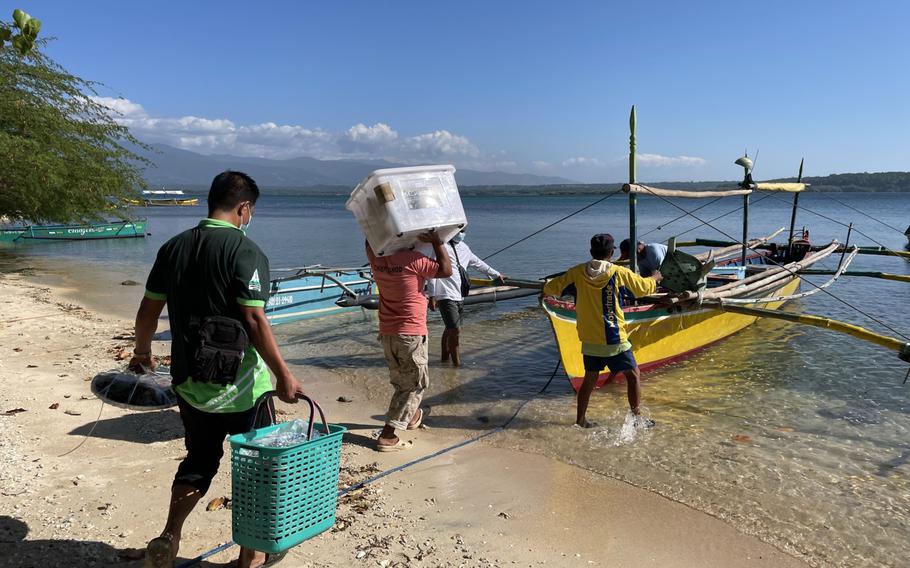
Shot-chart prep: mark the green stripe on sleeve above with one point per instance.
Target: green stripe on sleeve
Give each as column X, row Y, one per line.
column 251, row 303
column 155, row 296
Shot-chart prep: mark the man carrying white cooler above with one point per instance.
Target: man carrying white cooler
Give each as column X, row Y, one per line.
column 403, row 331
column 447, row 294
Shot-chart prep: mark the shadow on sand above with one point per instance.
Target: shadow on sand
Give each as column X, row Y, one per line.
column 141, row 428
column 16, row 551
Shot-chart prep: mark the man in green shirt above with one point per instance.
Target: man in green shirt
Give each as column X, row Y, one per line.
column 208, row 273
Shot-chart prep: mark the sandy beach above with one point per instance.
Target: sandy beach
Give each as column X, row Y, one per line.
column 98, row 504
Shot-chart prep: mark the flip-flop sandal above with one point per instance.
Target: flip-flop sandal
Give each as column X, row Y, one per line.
column 272, row 559
column 158, row 553
column 401, row 445
column 424, row 412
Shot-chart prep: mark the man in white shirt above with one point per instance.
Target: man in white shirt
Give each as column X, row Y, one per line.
column 447, row 294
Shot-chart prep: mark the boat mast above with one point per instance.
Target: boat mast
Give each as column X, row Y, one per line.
column 795, row 204
column 747, row 183
column 745, row 227
column 633, row 237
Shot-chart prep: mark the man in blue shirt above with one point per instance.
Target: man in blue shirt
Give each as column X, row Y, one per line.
column 650, row 256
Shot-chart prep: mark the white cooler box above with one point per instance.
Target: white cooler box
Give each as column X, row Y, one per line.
column 395, row 205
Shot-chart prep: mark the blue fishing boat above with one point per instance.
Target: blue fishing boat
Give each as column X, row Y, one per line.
column 79, row 232
column 314, row 291
column 317, row 291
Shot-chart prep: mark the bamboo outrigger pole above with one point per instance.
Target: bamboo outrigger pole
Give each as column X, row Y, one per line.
column 867, row 274
column 902, row 348
column 633, row 198
column 877, row 251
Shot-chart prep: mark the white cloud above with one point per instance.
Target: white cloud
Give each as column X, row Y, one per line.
column 377, row 134
column 440, row 144
column 208, row 135
column 581, row 162
column 123, row 107
column 665, row 161
column 271, row 140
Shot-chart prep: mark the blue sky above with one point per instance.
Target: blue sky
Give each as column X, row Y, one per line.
column 540, row 87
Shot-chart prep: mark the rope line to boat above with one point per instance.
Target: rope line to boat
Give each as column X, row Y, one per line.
column 792, row 272
column 683, row 216
column 88, row 435
column 222, row 547
column 841, row 223
column 702, row 224
column 537, row 232
column 879, row 221
column 98, row 419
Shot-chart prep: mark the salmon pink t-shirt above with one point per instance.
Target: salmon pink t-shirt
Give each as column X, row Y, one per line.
column 401, row 277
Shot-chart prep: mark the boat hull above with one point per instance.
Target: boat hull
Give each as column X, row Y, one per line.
column 164, row 202
column 96, row 231
column 658, row 336
column 311, row 296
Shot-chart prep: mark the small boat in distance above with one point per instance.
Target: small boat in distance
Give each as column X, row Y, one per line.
column 75, row 232
column 164, row 198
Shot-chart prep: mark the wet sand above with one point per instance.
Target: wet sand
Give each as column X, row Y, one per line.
column 475, row 506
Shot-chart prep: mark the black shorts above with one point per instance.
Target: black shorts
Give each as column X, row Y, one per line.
column 451, row 312
column 205, row 434
column 624, row 361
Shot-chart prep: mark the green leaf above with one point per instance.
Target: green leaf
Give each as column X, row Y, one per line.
column 23, row 44
column 21, row 18
column 5, row 34
column 32, row 27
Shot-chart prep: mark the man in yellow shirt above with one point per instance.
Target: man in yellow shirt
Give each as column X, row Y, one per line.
column 600, row 320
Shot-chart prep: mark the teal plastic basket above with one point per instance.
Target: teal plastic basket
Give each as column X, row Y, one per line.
column 283, row 496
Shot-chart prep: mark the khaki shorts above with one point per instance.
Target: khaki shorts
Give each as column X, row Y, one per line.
column 409, row 374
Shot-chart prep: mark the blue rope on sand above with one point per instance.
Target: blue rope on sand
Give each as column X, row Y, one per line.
column 378, row 476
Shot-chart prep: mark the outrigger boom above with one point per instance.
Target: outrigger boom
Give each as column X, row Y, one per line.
column 902, row 348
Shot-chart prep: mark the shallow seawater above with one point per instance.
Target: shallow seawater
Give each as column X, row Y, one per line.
column 795, row 434
column 779, row 430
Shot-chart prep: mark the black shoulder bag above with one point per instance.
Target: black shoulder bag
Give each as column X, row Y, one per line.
column 465, row 281
column 216, row 343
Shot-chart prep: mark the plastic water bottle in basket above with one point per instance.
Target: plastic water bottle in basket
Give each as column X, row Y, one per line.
column 285, row 482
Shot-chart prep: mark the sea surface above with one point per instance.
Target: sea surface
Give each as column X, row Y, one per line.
column 795, row 434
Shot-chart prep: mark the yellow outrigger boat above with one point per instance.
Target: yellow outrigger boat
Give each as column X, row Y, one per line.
column 713, row 295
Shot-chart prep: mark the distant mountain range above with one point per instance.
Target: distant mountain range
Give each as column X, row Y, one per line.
column 174, row 167
column 885, row 182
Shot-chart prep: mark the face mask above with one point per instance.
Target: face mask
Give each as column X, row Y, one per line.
column 246, row 226
column 458, row 238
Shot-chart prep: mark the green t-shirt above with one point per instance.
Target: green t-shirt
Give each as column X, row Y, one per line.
column 212, row 270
